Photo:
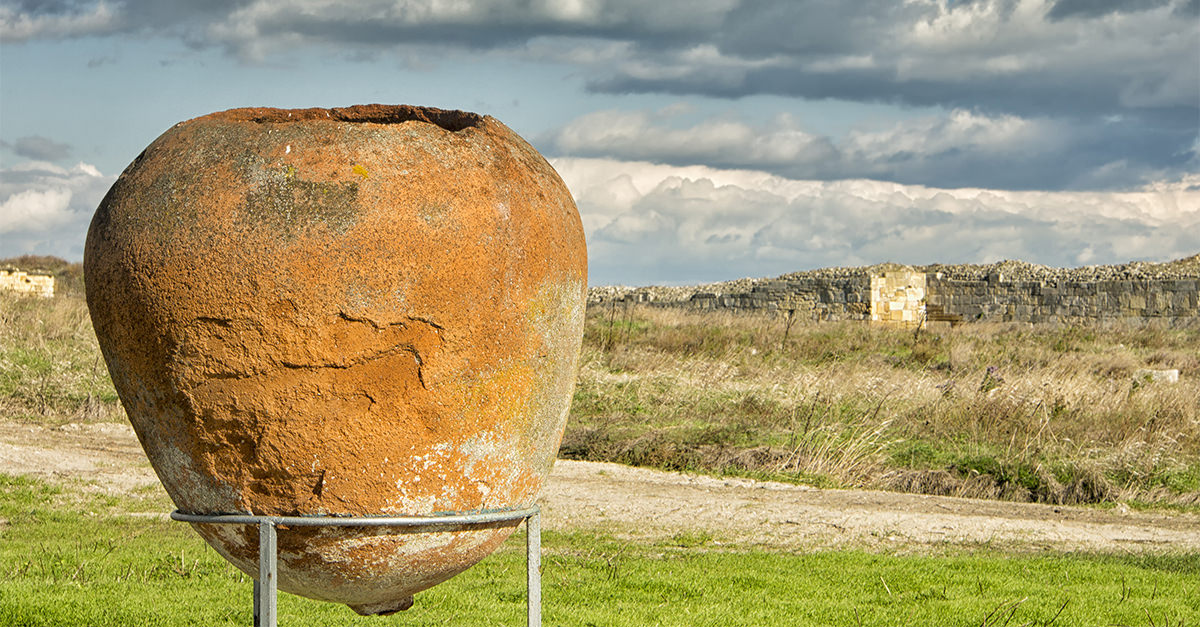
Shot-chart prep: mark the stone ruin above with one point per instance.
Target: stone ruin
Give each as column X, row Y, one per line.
column 943, row 295
column 36, row 284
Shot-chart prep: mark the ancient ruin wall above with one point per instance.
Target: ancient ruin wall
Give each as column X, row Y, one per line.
column 13, row 280
column 821, row 298
column 898, row 297
column 941, row 295
column 994, row 299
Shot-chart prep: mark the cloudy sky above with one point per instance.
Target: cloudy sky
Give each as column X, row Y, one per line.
column 703, row 139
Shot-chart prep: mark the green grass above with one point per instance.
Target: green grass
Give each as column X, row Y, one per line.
column 68, row 557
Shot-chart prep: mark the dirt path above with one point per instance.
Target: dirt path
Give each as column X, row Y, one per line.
column 654, row 505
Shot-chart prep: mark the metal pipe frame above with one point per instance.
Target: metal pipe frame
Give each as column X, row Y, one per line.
column 266, row 587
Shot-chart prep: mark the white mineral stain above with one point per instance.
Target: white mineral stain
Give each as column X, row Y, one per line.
column 200, row 491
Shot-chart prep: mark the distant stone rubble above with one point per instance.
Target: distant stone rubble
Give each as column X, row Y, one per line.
column 939, row 295
column 14, row 280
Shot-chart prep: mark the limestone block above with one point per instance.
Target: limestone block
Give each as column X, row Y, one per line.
column 14, row 280
column 1157, row 376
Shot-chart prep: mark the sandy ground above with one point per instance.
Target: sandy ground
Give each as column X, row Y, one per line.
column 656, row 506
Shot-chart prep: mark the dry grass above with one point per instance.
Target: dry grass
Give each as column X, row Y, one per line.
column 1060, row 417
column 51, row 370
column 1000, row 411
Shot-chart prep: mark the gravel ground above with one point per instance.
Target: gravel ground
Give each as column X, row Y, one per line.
column 651, row 505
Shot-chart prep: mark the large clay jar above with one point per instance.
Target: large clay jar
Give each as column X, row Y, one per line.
column 373, row 310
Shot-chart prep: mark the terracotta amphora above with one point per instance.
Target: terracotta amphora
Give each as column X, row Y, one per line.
column 372, row 310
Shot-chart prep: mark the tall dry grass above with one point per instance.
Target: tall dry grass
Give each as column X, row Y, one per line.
column 51, row 370
column 1002, row 410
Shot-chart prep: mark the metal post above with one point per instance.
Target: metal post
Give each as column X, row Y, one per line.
column 266, row 587
column 533, row 568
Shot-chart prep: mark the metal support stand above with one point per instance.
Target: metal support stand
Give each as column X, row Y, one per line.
column 266, row 587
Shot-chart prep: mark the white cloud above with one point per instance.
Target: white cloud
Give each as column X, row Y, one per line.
column 639, row 135
column 652, row 223
column 958, row 130
column 961, row 146
column 34, row 210
column 45, row 208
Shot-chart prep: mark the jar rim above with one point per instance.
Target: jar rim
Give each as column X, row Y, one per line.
column 450, row 119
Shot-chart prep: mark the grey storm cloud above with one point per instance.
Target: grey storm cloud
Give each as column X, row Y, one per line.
column 997, row 55
column 1112, row 83
column 40, row 148
column 961, row 148
column 1094, row 8
column 1009, row 55
column 246, row 27
column 473, row 24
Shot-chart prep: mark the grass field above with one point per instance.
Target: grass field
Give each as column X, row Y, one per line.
column 1055, row 415
column 999, row 411
column 71, row 557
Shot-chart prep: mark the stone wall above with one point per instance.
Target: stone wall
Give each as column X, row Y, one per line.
column 820, row 298
column 942, row 295
column 997, row 300
column 13, row 280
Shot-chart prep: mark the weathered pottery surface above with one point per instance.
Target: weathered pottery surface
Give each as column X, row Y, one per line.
column 373, row 310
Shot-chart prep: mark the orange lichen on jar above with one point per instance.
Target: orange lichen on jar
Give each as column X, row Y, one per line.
column 359, row 311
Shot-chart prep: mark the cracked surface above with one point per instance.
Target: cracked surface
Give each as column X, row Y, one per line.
column 370, row 310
